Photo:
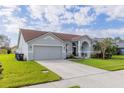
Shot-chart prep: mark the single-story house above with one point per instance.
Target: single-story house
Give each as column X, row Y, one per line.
column 40, row 45
column 121, row 46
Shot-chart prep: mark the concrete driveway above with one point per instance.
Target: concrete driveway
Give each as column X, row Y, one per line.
column 82, row 75
column 105, row 80
column 68, row 69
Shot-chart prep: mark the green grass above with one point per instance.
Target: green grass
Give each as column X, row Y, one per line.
column 114, row 64
column 21, row 73
column 74, row 87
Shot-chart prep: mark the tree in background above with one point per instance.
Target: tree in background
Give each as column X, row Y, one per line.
column 8, row 50
column 113, row 49
column 103, row 46
column 116, row 39
column 4, row 44
column 4, row 41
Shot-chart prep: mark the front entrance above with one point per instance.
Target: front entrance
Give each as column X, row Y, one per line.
column 85, row 53
column 74, row 48
column 74, row 51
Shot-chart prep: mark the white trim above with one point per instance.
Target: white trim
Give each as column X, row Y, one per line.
column 44, row 45
column 31, row 51
column 87, row 38
column 33, row 45
column 47, row 37
column 19, row 35
column 79, row 48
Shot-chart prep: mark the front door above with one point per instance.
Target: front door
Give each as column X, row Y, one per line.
column 74, row 51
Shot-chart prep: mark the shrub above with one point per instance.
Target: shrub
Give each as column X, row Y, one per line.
column 3, row 51
column 1, row 70
column 99, row 55
column 93, row 55
column 8, row 51
column 71, row 56
column 108, row 56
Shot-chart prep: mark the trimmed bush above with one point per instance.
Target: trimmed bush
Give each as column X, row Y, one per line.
column 8, row 51
column 93, row 55
column 71, row 57
column 99, row 55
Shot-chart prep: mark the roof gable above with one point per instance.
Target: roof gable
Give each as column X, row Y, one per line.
column 32, row 34
column 48, row 35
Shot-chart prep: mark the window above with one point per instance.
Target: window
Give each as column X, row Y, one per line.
column 66, row 47
column 30, row 47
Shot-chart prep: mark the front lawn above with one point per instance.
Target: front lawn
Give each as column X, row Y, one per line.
column 116, row 63
column 21, row 73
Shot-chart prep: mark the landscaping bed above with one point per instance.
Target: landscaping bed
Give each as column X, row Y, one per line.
column 114, row 64
column 23, row 73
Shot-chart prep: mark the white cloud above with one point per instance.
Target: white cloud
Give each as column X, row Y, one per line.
column 72, row 6
column 52, row 14
column 14, row 24
column 11, row 23
column 8, row 10
column 115, row 32
column 101, row 33
column 67, row 17
column 114, row 12
column 82, row 17
column 56, row 16
column 36, row 11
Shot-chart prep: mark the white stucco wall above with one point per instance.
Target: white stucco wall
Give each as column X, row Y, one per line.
column 85, row 39
column 23, row 47
column 69, row 48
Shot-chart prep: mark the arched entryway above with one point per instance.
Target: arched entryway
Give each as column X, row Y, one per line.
column 85, row 50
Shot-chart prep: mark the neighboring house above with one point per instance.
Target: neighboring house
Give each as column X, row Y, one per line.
column 121, row 46
column 13, row 49
column 38, row 45
column 98, row 39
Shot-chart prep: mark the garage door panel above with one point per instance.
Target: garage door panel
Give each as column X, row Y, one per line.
column 47, row 52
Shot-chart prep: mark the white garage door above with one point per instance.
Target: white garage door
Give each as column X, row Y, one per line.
column 47, row 52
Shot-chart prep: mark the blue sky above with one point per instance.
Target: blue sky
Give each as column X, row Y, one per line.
column 95, row 21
